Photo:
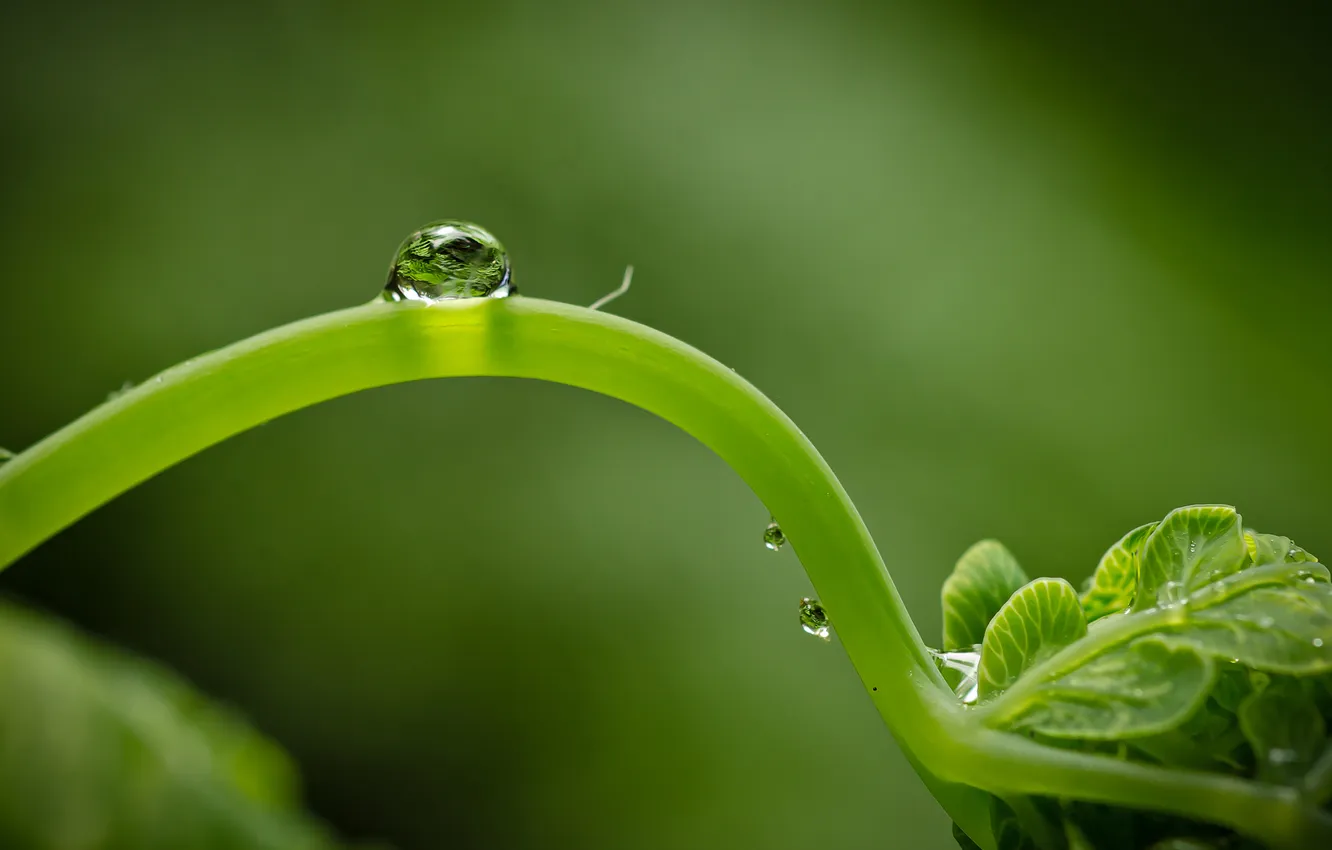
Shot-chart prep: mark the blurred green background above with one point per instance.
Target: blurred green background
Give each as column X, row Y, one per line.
column 1039, row 273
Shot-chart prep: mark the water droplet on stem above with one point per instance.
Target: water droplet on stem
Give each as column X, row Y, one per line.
column 449, row 260
column 813, row 619
column 773, row 537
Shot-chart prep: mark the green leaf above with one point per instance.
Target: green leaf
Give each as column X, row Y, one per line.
column 1210, row 739
column 1074, row 837
column 963, row 840
column 981, row 582
column 1285, row 728
column 129, row 754
column 1138, row 689
column 1318, row 781
column 1191, row 548
column 1114, row 828
column 1036, row 622
column 1276, row 629
column 1009, row 833
column 1273, row 549
column 1232, row 686
column 1115, row 580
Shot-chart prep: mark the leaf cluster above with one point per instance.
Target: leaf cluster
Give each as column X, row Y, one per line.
column 1195, row 644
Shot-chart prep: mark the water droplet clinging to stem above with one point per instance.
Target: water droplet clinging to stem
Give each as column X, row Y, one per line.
column 773, row 537
column 449, row 260
column 813, row 619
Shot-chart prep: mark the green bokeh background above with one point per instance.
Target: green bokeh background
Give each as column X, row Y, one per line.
column 1040, row 274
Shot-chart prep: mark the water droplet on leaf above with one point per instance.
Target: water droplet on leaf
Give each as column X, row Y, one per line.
column 1318, row 643
column 1173, row 593
column 5, row 454
column 813, row 619
column 448, row 260
column 773, row 537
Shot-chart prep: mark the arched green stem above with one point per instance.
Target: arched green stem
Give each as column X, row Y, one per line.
column 199, row 403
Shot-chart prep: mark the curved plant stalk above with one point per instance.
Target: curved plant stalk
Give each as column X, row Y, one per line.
column 201, row 402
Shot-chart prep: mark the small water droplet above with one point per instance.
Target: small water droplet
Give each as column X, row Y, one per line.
column 1283, row 756
column 1318, row 643
column 448, row 260
column 5, row 454
column 813, row 619
column 1266, row 622
column 1173, row 593
column 773, row 537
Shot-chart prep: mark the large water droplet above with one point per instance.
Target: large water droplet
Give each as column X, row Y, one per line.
column 447, row 260
column 773, row 537
column 813, row 619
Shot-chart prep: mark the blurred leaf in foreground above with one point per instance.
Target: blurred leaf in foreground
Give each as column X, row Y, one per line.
column 101, row 751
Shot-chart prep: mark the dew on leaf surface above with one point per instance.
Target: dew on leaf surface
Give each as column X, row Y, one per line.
column 813, row 619
column 773, row 537
column 447, row 261
column 1173, row 593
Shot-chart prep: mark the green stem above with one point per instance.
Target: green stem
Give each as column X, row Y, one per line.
column 201, row 402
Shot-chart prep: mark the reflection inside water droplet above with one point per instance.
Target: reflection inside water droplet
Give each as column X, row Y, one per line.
column 961, row 669
column 813, row 619
column 449, row 260
column 773, row 537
